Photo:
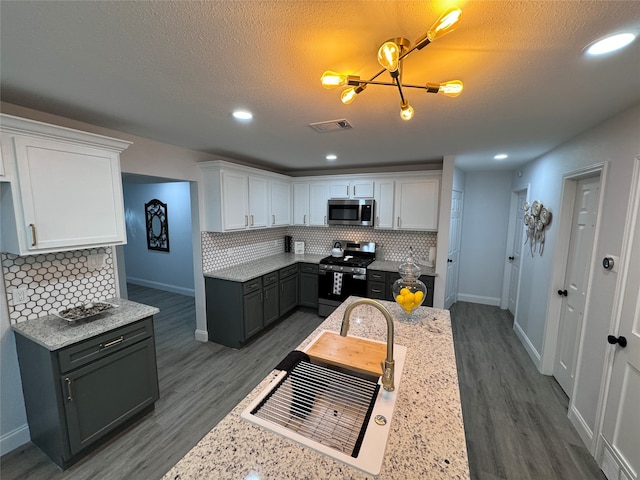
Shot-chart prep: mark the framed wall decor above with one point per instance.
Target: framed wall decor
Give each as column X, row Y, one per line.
column 157, row 225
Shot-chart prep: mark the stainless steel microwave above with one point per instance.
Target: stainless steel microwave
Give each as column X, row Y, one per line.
column 351, row 212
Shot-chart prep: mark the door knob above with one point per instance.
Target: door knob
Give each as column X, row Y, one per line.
column 512, row 258
column 562, row 293
column 622, row 341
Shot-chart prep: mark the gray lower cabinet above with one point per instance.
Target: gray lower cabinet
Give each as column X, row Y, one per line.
column 308, row 276
column 79, row 394
column 379, row 286
column 288, row 288
column 271, row 298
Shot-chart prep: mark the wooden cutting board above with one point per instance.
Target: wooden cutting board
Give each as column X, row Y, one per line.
column 358, row 353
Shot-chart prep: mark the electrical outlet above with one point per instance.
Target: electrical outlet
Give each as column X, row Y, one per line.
column 275, row 243
column 95, row 262
column 19, row 296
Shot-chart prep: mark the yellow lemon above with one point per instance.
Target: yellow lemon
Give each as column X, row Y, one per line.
column 408, row 309
column 409, row 298
column 404, row 291
column 400, row 299
column 418, row 296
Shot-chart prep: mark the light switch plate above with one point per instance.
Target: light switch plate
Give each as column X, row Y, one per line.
column 96, row 262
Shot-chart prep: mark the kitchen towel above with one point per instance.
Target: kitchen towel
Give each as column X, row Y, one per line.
column 337, row 283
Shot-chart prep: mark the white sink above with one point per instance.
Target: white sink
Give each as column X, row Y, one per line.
column 370, row 455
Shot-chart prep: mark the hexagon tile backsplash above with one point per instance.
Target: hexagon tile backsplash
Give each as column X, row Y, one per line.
column 55, row 281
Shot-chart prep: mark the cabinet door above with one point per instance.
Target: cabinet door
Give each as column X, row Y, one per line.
column 258, row 202
column 280, row 204
column 339, row 189
column 288, row 293
column 308, row 285
column 417, row 204
column 105, row 393
column 234, row 201
column 385, row 198
column 300, row 203
column 253, row 316
column 71, row 195
column 318, row 204
column 362, row 189
column 271, row 304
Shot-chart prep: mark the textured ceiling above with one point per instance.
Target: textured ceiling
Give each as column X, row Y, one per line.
column 173, row 71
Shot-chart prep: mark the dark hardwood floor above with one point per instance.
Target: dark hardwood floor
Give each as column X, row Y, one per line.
column 515, row 419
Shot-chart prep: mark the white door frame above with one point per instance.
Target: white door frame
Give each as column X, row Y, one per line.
column 511, row 231
column 563, row 221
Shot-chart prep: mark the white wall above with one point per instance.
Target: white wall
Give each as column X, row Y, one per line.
column 615, row 142
column 485, row 221
column 173, row 270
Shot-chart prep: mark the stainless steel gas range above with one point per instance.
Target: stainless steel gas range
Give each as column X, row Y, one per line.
column 342, row 276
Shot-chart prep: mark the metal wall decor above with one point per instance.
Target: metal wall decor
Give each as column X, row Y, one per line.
column 536, row 218
column 157, row 225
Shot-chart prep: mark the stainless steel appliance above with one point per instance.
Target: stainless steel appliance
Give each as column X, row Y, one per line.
column 351, row 212
column 340, row 277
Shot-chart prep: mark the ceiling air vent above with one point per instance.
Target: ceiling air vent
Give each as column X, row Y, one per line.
column 331, row 125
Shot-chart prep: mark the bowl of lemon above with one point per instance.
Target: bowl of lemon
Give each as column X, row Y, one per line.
column 408, row 291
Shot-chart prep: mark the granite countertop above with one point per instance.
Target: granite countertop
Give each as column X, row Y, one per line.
column 244, row 272
column 391, row 266
column 427, row 434
column 54, row 333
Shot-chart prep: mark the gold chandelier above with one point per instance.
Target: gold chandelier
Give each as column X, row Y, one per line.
column 390, row 56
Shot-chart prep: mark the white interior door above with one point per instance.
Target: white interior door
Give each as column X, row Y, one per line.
column 453, row 255
column 516, row 253
column 620, row 458
column 585, row 214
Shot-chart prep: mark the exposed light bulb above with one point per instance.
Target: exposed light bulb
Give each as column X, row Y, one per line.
column 452, row 88
column 348, row 95
column 406, row 111
column 389, row 56
column 611, row 44
column 447, row 22
column 331, row 79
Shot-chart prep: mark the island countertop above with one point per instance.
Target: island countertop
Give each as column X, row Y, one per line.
column 54, row 333
column 427, row 434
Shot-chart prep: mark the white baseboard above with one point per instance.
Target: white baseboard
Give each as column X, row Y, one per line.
column 578, row 422
column 528, row 346
column 202, row 335
column 14, row 439
column 464, row 297
column 189, row 292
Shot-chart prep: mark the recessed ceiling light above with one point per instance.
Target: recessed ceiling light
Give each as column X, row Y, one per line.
column 610, row 43
column 331, row 157
column 501, row 156
column 243, row 115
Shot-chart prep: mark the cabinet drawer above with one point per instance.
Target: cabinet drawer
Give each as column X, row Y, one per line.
column 290, row 270
column 376, row 276
column 269, row 278
column 308, row 268
column 97, row 347
column 251, row 286
column 376, row 290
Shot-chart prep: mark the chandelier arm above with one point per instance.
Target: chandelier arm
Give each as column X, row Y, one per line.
column 399, row 89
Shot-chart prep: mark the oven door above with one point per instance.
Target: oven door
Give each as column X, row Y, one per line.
column 338, row 286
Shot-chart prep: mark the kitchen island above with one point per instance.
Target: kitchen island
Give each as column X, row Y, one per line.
column 427, row 434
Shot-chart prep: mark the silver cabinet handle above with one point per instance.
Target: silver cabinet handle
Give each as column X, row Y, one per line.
column 399, row 223
column 347, row 190
column 375, row 290
column 69, row 396
column 34, row 237
column 378, row 221
column 325, row 220
column 252, row 220
column 354, row 190
column 304, row 221
column 246, row 220
column 118, row 340
column 274, row 220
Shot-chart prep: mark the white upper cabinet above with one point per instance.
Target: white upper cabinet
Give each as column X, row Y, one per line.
column 318, row 204
column 417, row 204
column 280, row 203
column 351, row 189
column 64, row 190
column 385, row 198
column 241, row 198
column 301, row 204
